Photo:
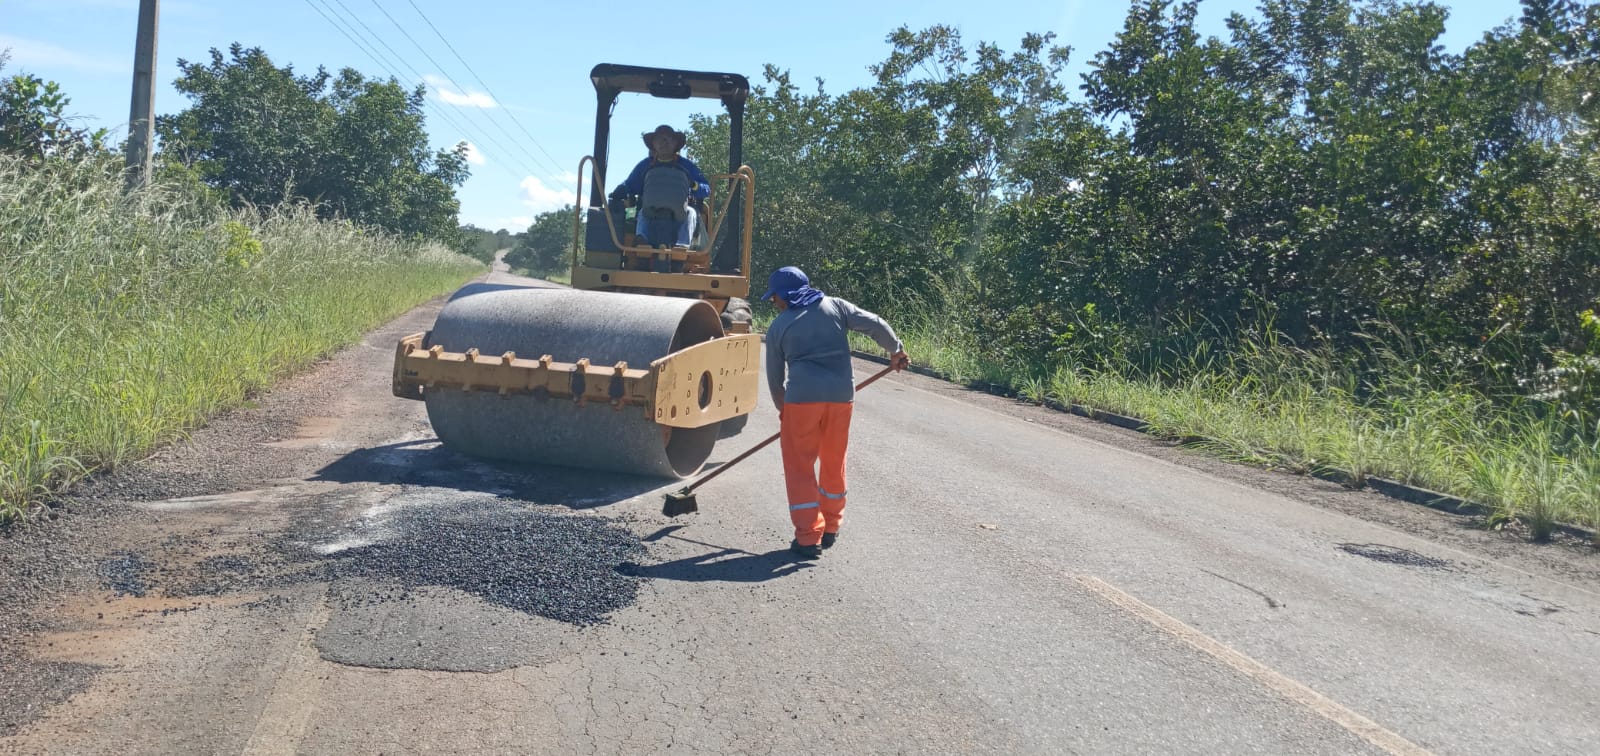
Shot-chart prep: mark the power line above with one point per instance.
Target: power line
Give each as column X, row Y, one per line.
column 375, row 37
column 384, row 62
column 444, row 72
column 340, row 26
column 390, row 68
column 479, row 79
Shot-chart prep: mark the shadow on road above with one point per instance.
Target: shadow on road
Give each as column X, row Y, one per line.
column 727, row 565
column 423, row 462
column 722, row 566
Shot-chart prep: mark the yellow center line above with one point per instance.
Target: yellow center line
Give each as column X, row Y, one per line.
column 295, row 695
column 1358, row 725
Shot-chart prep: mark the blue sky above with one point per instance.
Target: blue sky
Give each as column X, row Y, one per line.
column 530, row 118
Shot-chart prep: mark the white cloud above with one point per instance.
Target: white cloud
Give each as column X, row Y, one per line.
column 32, row 54
column 449, row 95
column 535, row 195
column 475, row 155
column 540, row 198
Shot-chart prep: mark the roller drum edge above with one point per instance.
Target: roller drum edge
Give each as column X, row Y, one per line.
column 569, row 325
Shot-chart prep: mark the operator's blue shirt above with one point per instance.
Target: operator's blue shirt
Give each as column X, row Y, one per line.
column 635, row 182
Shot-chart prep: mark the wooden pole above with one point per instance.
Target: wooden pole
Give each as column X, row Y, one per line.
column 141, row 113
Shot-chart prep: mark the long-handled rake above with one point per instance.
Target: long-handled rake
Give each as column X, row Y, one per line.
column 683, row 501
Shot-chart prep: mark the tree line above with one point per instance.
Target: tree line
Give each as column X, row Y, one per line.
column 257, row 134
column 1325, row 171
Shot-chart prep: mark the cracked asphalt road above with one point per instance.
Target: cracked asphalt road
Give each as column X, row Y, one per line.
column 1009, row 580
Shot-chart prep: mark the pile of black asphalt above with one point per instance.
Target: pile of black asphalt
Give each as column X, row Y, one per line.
column 551, row 564
column 537, row 560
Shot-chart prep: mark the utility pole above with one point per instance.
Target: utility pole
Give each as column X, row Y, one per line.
column 142, row 113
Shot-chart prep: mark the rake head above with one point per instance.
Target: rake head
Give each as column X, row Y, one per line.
column 680, row 503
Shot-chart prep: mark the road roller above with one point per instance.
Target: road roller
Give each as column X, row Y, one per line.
column 645, row 362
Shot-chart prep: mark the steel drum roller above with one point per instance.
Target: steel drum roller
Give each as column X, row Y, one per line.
column 568, row 325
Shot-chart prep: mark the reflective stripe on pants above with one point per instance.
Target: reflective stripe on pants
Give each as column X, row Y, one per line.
column 813, row 433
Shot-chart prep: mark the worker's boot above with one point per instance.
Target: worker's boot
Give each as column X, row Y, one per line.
column 828, row 540
column 806, row 552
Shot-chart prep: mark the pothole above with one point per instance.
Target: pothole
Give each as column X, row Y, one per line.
column 1394, row 555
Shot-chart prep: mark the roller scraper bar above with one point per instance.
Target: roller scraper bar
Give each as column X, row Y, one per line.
column 691, row 388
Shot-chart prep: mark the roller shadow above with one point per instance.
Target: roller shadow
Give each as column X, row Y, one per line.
column 424, row 462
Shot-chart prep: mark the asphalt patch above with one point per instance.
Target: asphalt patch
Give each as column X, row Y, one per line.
column 558, row 566
column 436, row 629
column 1394, row 555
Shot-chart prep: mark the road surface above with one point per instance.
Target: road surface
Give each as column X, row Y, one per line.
column 313, row 574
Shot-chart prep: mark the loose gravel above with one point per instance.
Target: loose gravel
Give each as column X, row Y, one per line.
column 125, row 574
column 559, row 566
column 538, row 560
column 38, row 559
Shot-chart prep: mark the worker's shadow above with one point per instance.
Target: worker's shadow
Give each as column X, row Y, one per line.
column 725, row 565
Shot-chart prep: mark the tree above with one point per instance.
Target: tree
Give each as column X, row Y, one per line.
column 884, row 191
column 1322, row 167
column 356, row 147
column 33, row 120
column 546, row 247
column 481, row 243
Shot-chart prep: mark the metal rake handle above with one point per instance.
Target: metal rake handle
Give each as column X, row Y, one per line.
column 773, row 437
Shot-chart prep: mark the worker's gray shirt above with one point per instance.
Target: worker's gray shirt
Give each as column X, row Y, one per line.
column 810, row 347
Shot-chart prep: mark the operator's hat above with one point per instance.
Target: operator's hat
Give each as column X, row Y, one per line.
column 678, row 138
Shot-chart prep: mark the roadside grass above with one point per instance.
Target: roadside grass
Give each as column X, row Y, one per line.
column 127, row 319
column 1276, row 406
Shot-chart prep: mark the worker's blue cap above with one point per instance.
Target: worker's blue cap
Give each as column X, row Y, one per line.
column 792, row 284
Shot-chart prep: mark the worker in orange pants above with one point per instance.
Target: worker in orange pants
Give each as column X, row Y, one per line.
column 812, row 432
column 809, row 376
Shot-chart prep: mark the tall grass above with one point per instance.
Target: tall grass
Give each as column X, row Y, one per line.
column 1276, row 405
column 127, row 318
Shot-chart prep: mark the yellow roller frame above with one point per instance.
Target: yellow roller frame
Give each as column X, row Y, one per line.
column 693, row 387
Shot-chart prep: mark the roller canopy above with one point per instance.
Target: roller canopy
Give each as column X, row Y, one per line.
column 669, row 83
